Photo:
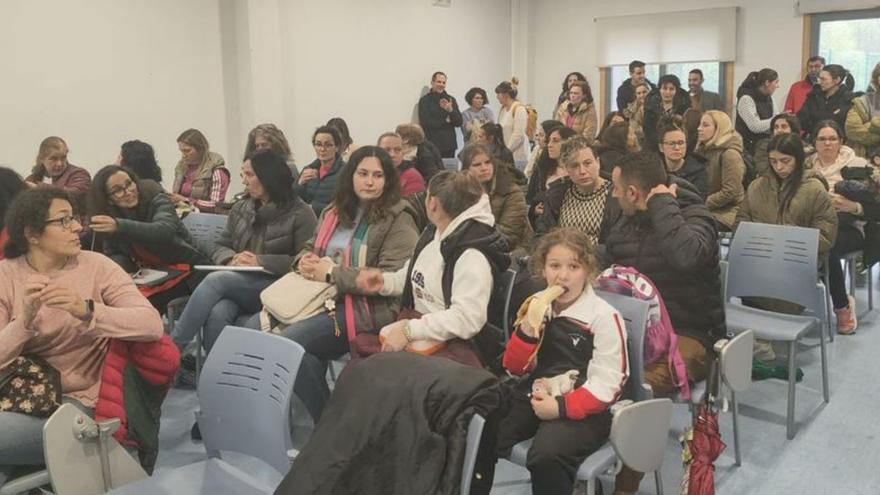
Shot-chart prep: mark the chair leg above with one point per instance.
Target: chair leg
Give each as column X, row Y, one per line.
column 736, row 451
column 851, row 268
column 658, row 481
column 826, row 388
column 332, row 370
column 828, row 310
column 870, row 290
column 198, row 354
column 591, row 486
column 792, row 379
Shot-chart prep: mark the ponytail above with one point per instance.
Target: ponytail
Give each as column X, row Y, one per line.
column 756, row 79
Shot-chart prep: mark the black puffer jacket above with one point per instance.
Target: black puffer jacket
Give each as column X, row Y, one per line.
column 654, row 113
column 694, row 171
column 818, row 108
column 674, row 243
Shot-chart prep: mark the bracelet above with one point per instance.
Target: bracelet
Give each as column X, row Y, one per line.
column 407, row 331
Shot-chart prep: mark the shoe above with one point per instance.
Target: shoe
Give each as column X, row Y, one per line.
column 846, row 318
column 195, row 433
column 186, row 374
column 763, row 371
column 763, row 351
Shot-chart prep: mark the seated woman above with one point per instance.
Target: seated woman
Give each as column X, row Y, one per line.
column 63, row 305
column 419, row 150
column 476, row 114
column 492, row 136
column 583, row 200
column 411, row 181
column 614, row 143
column 367, row 225
column 266, row 228
column 547, row 171
column 584, row 334
column 782, row 123
column 200, row 177
column 10, row 186
column 140, row 158
column 52, row 168
column 540, row 144
column 722, row 147
column 673, row 146
column 317, row 182
column 506, row 198
column 447, row 283
column 138, row 227
column 831, row 161
column 269, row 136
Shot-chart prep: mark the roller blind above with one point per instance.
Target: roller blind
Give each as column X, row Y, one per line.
column 821, row 6
column 668, row 37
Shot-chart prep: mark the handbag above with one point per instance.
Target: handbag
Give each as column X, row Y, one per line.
column 293, row 298
column 30, row 385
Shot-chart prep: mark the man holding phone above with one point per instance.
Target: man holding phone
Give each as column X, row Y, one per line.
column 439, row 116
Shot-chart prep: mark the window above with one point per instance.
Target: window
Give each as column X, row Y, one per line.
column 850, row 39
column 713, row 73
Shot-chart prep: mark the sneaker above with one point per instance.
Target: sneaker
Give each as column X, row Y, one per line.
column 763, row 351
column 846, row 318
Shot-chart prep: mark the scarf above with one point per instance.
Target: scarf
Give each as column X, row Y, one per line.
column 357, row 308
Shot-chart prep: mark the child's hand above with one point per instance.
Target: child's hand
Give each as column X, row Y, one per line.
column 545, row 407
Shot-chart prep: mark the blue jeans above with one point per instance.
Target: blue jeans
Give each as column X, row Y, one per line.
column 220, row 300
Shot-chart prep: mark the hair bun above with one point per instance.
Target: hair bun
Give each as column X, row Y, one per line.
column 514, row 81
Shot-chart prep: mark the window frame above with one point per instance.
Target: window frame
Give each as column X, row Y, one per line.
column 816, row 21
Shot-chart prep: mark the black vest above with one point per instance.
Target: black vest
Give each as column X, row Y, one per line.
column 764, row 105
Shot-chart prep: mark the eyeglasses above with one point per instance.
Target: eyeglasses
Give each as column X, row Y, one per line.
column 119, row 191
column 674, row 144
column 66, row 221
column 830, row 139
column 319, row 144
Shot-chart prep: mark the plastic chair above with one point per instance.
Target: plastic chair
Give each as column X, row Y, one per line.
column 638, row 435
column 474, row 433
column 778, row 262
column 244, row 396
column 635, row 315
column 500, row 301
column 849, row 262
column 451, row 164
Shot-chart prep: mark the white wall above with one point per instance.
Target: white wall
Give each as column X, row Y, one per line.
column 100, row 72
column 768, row 35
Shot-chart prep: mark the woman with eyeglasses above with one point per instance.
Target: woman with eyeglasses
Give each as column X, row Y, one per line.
column 61, row 304
column 317, row 182
column 838, row 164
column 137, row 227
column 673, row 146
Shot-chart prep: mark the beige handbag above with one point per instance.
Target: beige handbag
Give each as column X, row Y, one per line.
column 293, row 298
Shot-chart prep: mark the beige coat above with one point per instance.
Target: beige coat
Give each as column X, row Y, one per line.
column 725, row 169
column 582, row 120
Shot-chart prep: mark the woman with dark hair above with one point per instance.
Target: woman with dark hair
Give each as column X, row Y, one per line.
column 200, row 177
column 269, row 136
column 830, row 99
column 64, row 305
column 540, row 144
column 317, row 182
column 506, row 198
column 673, row 147
column 513, row 119
column 10, row 185
column 614, row 142
column 570, row 79
column 266, row 228
column 837, row 164
column 52, row 168
column 346, row 144
column 783, row 123
column 492, row 136
column 367, row 225
column 754, row 107
column 722, row 147
column 138, row 227
column 863, row 119
column 140, row 158
column 662, row 103
column 547, row 171
column 635, row 111
column 611, row 118
column 476, row 114
column 579, row 112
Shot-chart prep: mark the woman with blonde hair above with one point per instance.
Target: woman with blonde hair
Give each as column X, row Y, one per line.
column 200, row 177
column 53, row 169
column 513, row 119
column 722, row 147
column 269, row 136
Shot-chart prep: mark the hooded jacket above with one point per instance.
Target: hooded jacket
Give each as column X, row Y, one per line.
column 450, row 277
column 725, row 169
column 654, row 113
column 863, row 123
column 846, row 157
column 819, row 107
column 694, row 171
column 675, row 244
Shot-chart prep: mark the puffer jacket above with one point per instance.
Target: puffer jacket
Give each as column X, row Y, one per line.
column 274, row 234
column 201, row 186
column 725, row 169
column 508, row 203
column 819, row 107
column 832, row 174
column 654, row 114
column 581, row 119
column 674, row 243
column 319, row 192
column 694, row 171
column 863, row 123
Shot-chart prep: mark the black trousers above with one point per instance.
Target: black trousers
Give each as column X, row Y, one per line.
column 559, row 448
column 849, row 239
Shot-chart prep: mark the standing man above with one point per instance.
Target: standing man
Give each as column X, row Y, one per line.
column 701, row 99
column 439, row 116
column 627, row 90
column 797, row 93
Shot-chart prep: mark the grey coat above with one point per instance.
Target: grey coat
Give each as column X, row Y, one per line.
column 274, row 234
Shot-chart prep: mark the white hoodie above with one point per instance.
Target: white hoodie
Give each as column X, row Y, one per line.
column 471, row 285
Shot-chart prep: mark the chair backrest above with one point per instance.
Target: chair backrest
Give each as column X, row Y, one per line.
column 777, row 261
column 635, row 315
column 736, row 361
column 474, row 434
column 245, row 391
column 504, row 292
column 205, row 229
column 451, row 164
column 724, row 266
column 73, row 456
column 639, row 433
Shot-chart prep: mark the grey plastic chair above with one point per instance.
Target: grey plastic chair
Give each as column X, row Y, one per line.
column 635, row 315
column 850, row 265
column 779, row 262
column 244, row 396
column 474, row 433
column 638, row 435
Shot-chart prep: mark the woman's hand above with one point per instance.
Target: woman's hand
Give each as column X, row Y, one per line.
column 245, row 258
column 369, row 280
column 31, row 302
column 394, row 338
column 545, row 407
column 63, row 298
column 539, row 209
column 30, row 184
column 103, row 223
column 308, row 265
column 842, row 204
column 178, row 198
column 307, row 175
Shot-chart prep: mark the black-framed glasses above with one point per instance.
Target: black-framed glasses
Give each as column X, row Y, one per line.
column 119, row 191
column 674, row 144
column 66, row 221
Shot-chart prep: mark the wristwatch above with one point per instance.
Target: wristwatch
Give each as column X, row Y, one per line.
column 328, row 277
column 90, row 310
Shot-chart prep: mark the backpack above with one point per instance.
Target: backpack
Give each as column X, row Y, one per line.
column 531, row 120
column 660, row 337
